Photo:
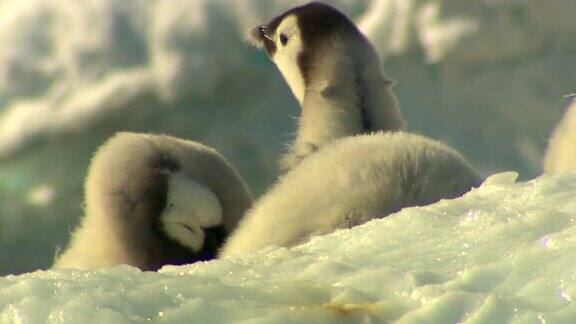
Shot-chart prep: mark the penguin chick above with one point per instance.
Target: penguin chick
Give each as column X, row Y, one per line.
column 153, row 200
column 349, row 182
column 363, row 167
column 561, row 153
column 333, row 71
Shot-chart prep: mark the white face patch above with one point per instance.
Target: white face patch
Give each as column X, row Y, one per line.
column 286, row 55
column 190, row 208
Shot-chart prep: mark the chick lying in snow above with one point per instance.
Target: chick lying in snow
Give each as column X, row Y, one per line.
column 153, row 200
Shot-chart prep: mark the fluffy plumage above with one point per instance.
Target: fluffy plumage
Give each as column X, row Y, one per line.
column 153, row 200
column 561, row 153
column 349, row 182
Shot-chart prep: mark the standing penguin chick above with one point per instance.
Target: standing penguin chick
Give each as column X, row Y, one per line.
column 153, row 200
column 359, row 172
column 335, row 74
column 561, row 153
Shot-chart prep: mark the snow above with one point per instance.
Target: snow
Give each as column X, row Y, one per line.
column 502, row 253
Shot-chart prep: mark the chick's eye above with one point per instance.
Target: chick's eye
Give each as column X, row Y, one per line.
column 283, row 39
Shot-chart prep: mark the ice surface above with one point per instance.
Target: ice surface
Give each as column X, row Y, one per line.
column 502, row 253
column 486, row 76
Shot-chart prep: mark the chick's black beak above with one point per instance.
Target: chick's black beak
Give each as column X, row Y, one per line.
column 261, row 31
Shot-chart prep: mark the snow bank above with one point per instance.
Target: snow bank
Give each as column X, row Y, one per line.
column 502, row 253
column 487, row 77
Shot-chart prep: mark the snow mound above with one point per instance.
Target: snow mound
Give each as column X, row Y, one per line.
column 502, row 253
